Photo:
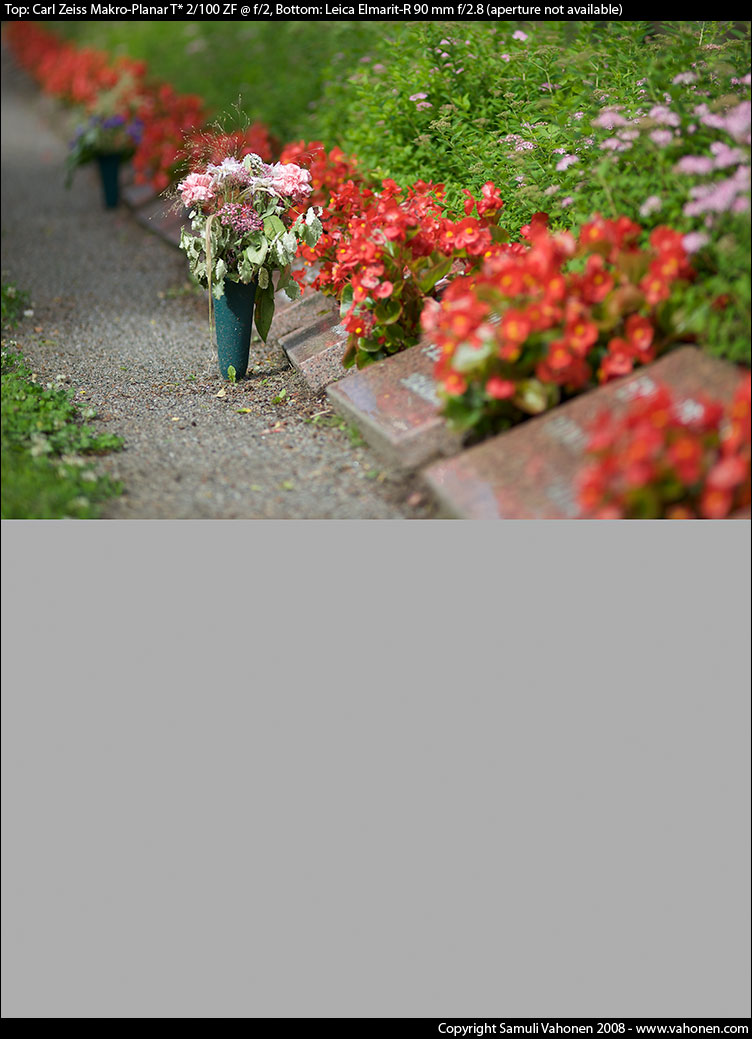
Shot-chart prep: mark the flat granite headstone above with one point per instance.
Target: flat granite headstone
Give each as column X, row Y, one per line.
column 137, row 195
column 317, row 353
column 312, row 313
column 530, row 472
column 394, row 405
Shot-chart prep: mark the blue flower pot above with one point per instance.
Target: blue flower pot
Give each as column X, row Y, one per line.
column 109, row 172
column 233, row 321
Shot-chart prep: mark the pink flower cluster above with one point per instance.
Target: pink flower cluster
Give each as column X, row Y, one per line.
column 290, row 181
column 241, row 217
column 520, row 144
column 735, row 122
column 730, row 195
column 197, row 187
column 286, row 180
column 665, row 127
column 609, row 118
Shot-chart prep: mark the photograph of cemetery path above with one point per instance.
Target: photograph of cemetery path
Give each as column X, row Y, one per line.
column 498, row 270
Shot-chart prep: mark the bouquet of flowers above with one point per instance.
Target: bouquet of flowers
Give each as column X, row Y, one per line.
column 117, row 134
column 112, row 127
column 247, row 221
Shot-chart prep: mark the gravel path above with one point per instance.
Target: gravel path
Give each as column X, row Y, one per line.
column 115, row 319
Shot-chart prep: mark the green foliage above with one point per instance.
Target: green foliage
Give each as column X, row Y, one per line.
column 716, row 307
column 14, row 302
column 277, row 69
column 482, row 85
column 464, row 103
column 44, row 472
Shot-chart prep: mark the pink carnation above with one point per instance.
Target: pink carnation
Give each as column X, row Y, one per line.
column 197, row 187
column 290, row 180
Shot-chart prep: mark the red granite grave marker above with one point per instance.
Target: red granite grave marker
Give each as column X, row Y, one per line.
column 317, row 353
column 395, row 406
column 137, row 195
column 310, row 314
column 529, row 472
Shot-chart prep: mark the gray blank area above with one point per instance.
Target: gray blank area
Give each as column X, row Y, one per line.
column 449, row 770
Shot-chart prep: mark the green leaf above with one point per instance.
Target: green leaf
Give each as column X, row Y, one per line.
column 264, row 310
column 534, row 396
column 428, row 279
column 388, row 312
column 270, row 208
column 245, row 270
column 257, row 254
column 498, row 234
column 311, row 230
column 273, row 226
column 460, row 415
column 362, row 359
column 369, row 345
column 285, row 248
column 469, row 358
column 346, row 300
column 285, row 277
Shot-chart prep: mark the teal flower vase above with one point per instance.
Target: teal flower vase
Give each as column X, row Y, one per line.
column 109, row 172
column 233, row 321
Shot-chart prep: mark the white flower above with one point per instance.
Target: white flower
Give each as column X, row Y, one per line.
column 229, row 167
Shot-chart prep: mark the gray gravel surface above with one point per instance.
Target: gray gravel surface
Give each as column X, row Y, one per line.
column 115, row 319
